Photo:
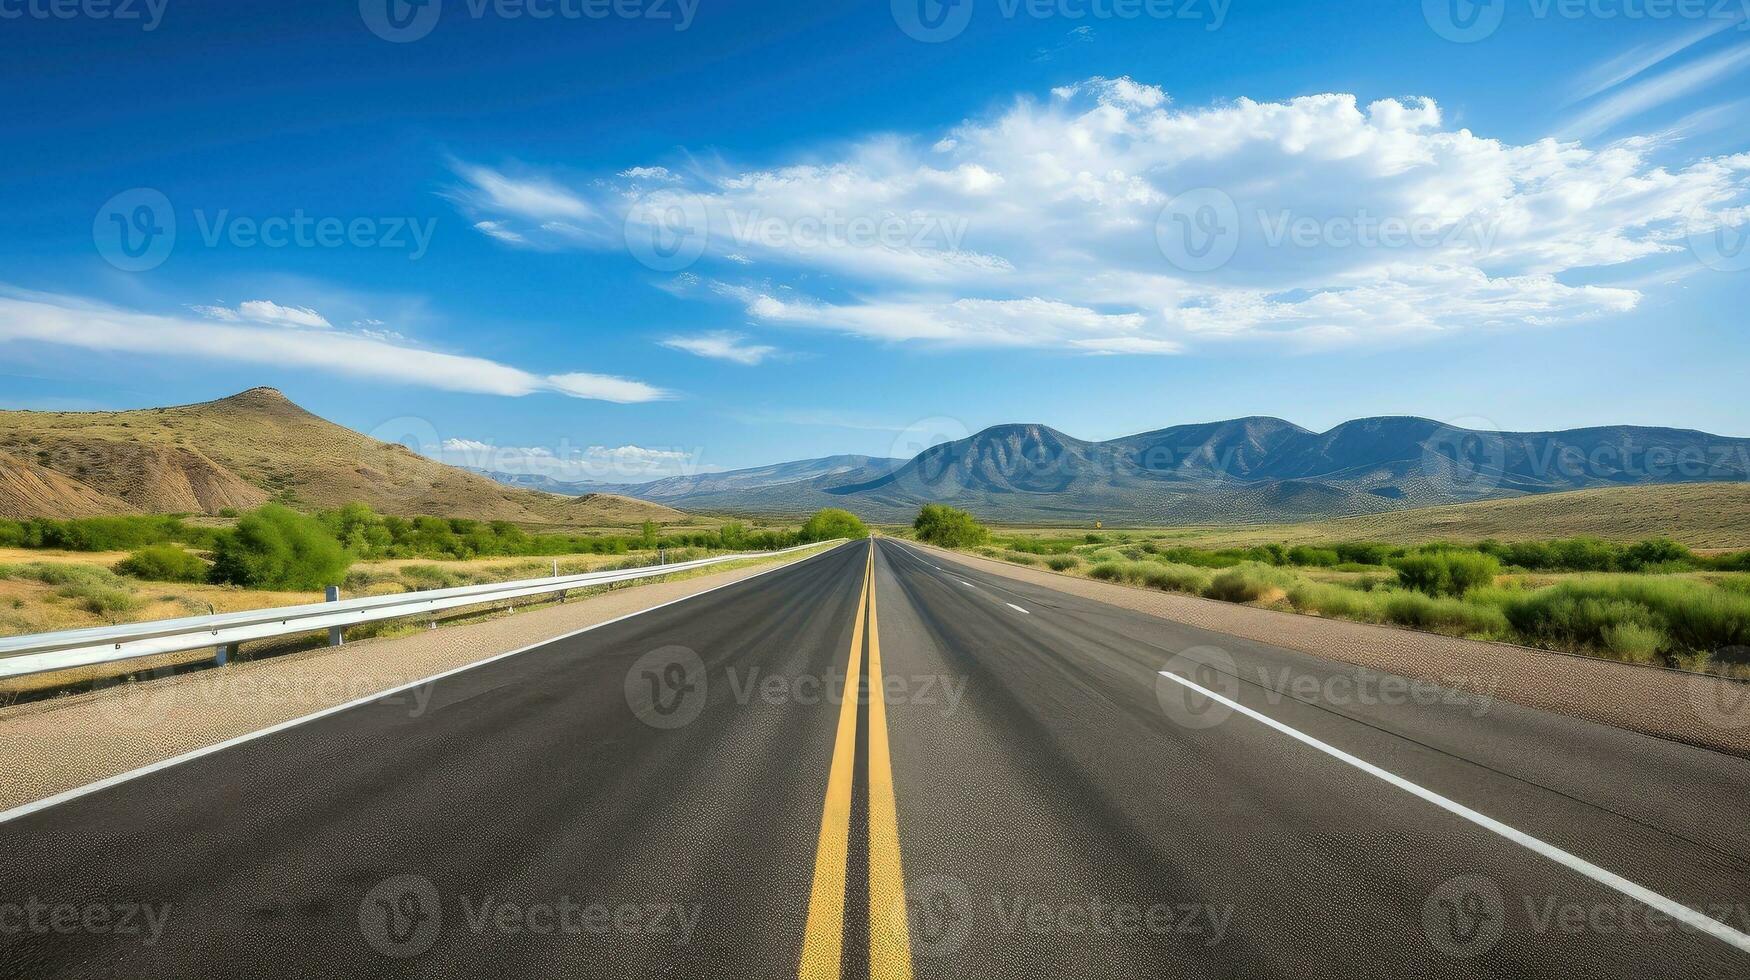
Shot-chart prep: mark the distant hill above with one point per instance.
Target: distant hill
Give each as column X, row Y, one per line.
column 702, row 491
column 242, row 451
column 1239, row 471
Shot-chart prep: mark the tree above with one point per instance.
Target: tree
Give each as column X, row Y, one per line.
column 832, row 523
column 942, row 525
column 278, row 548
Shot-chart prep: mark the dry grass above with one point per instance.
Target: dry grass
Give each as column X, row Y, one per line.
column 1708, row 516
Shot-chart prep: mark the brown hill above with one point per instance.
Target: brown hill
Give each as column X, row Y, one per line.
column 241, row 451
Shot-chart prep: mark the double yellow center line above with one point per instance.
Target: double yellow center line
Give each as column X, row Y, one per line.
column 823, row 941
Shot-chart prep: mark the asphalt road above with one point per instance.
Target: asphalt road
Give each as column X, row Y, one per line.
column 688, row 793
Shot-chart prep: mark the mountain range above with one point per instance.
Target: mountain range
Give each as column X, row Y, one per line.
column 1242, row 470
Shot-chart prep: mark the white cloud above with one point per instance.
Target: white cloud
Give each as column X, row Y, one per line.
column 497, row 229
column 27, row 317
column 1636, row 60
column 722, row 345
column 597, row 464
column 1646, row 95
column 1037, row 226
column 266, row 311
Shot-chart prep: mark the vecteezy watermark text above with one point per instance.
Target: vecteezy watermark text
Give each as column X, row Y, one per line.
column 148, row 13
column 934, row 21
column 401, row 21
column 300, row 230
column 136, row 919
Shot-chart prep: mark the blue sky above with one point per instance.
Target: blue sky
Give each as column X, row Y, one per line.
column 712, row 234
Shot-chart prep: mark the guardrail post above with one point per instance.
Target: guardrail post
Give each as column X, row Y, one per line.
column 223, row 654
column 336, row 635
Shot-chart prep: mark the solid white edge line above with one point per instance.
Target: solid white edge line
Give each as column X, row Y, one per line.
column 25, row 809
column 1017, row 608
column 1645, row 896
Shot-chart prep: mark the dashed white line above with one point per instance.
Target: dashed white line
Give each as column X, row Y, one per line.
column 1017, row 608
column 967, row 584
column 1682, row 913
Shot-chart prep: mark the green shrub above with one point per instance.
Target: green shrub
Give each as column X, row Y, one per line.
column 1694, row 615
column 1335, row 601
column 950, row 528
column 278, row 548
column 1249, row 583
column 1422, row 611
column 1153, row 574
column 1443, row 572
column 829, row 524
column 1063, row 563
column 1301, row 554
column 1015, row 557
column 1635, row 642
column 163, row 563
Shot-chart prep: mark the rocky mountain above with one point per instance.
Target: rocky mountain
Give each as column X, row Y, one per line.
column 1246, row 470
column 239, row 452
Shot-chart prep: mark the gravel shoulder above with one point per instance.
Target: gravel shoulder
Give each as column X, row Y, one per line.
column 48, row 747
column 1697, row 709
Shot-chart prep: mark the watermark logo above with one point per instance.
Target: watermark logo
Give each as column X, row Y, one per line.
column 1212, row 669
column 939, row 908
column 1464, row 21
column 400, row 21
column 666, row 688
column 1721, row 247
column 402, row 916
column 915, row 441
column 668, row 230
column 135, row 230
column 1722, row 702
column 1199, row 230
column 932, row 21
column 1466, row 455
column 395, row 457
column 1465, row 917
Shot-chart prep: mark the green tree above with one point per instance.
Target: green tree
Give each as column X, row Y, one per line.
column 832, row 523
column 278, row 548
column 942, row 525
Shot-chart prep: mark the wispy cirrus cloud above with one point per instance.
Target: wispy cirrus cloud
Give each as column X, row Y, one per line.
column 1046, row 224
column 1648, row 94
column 722, row 345
column 256, row 333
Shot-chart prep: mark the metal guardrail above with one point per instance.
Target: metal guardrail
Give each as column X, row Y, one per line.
column 39, row 652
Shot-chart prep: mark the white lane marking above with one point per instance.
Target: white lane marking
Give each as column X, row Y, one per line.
column 967, row 584
column 1683, row 913
column 25, row 809
column 1017, row 608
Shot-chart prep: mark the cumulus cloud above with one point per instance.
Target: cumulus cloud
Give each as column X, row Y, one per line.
column 722, row 345
column 589, row 464
column 66, row 321
column 1051, row 223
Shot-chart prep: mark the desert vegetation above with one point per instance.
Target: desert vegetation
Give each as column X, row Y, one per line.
column 1652, row 601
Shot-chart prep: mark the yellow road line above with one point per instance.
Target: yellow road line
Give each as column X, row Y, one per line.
column 823, row 939
column 889, row 934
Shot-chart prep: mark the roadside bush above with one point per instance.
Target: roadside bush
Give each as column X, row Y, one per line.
column 1153, row 574
column 1063, row 563
column 830, row 523
column 1692, row 615
column 1444, row 613
column 1017, row 558
column 1301, row 554
column 950, row 528
column 1250, row 583
column 163, row 563
column 1335, row 601
column 1446, row 572
column 278, row 548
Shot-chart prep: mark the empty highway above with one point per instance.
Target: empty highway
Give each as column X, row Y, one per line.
column 1049, row 787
